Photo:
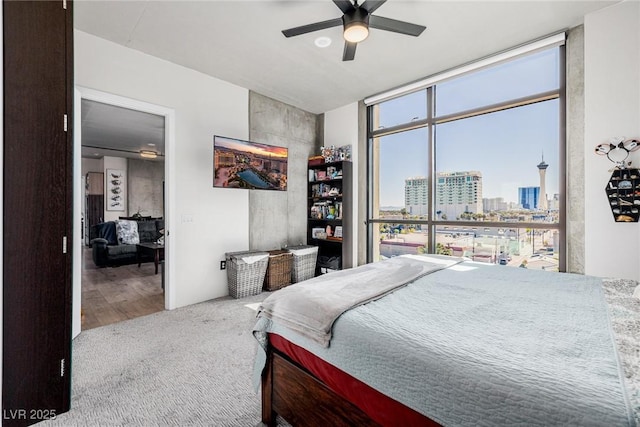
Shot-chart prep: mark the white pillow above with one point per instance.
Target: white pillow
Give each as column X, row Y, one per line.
column 127, row 232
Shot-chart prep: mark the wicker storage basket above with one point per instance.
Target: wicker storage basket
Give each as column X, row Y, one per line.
column 245, row 272
column 304, row 262
column 278, row 270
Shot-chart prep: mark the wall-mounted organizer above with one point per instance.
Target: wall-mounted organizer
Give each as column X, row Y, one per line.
column 623, row 193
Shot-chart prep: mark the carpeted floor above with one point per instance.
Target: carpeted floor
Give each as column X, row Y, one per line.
column 187, row 367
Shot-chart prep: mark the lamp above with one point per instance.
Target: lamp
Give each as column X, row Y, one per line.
column 356, row 25
column 148, row 154
column 356, row 32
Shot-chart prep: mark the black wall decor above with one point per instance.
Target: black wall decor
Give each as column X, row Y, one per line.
column 623, row 192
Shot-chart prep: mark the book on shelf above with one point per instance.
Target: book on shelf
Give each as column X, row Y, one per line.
column 323, row 210
column 324, row 175
column 316, row 160
column 323, row 190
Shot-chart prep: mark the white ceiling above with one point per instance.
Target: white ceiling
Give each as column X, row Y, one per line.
column 107, row 130
column 241, row 41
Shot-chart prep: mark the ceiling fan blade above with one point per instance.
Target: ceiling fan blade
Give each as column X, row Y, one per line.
column 312, row 27
column 349, row 51
column 395, row 26
column 344, row 5
column 371, row 5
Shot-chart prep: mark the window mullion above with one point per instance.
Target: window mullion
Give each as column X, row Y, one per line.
column 431, row 168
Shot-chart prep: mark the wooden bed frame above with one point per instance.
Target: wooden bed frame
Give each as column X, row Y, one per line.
column 297, row 396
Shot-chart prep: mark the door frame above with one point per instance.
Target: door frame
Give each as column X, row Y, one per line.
column 81, row 93
column 1, row 192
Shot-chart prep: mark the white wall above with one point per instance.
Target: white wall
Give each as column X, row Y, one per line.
column 341, row 128
column 612, row 109
column 207, row 222
column 115, row 163
column 91, row 165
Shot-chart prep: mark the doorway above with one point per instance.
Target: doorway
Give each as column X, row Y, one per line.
column 141, row 190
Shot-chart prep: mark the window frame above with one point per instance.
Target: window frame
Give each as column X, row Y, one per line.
column 429, row 122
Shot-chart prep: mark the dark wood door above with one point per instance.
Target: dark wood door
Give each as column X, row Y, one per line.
column 94, row 214
column 38, row 175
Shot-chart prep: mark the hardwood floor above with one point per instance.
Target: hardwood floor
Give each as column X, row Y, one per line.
column 114, row 294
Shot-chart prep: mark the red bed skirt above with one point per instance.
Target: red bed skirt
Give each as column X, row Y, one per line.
column 379, row 407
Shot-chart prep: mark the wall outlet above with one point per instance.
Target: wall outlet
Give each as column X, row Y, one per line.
column 223, row 265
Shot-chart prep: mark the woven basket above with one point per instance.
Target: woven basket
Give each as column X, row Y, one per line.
column 245, row 274
column 304, row 262
column 278, row 271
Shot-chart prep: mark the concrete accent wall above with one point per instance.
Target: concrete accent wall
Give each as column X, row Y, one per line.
column 361, row 181
column 279, row 218
column 145, row 187
column 575, row 149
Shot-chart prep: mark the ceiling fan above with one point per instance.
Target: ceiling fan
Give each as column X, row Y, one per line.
column 356, row 21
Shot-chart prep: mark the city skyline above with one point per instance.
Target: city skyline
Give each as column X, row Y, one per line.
column 461, row 192
column 506, row 174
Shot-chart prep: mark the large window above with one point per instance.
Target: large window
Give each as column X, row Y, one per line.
column 472, row 166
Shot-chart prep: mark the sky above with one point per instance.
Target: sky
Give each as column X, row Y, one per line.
column 252, row 147
column 505, row 147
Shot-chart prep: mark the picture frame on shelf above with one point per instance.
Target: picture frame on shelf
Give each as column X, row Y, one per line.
column 318, row 233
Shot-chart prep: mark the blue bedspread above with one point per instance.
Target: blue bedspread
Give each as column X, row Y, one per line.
column 477, row 344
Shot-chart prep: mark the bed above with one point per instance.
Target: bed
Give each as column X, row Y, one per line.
column 427, row 340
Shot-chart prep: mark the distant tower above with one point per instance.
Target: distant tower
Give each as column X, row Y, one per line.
column 542, row 168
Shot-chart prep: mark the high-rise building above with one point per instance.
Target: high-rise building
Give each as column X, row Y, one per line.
column 416, row 196
column 458, row 193
column 494, row 204
column 528, row 197
column 542, row 169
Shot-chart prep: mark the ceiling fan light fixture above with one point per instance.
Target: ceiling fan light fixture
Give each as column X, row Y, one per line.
column 355, row 21
column 148, row 154
column 356, row 31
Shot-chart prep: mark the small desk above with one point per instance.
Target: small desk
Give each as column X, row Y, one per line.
column 158, row 252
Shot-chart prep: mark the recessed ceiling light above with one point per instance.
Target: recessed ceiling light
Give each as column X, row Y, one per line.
column 322, row 41
column 96, row 154
column 151, row 144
